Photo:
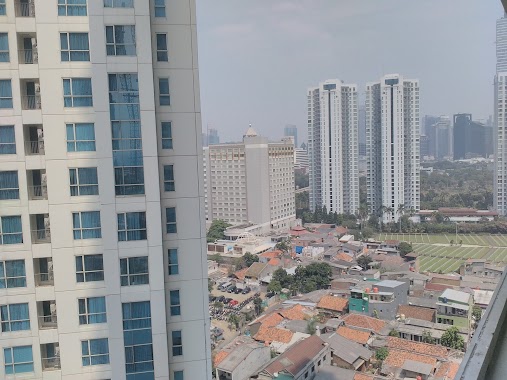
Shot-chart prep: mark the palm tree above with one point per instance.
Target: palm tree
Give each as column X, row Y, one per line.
column 400, row 211
column 363, row 213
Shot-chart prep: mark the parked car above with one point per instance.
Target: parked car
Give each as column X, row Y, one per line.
column 231, row 289
column 220, row 299
column 212, row 298
column 233, row 303
column 237, row 291
column 246, row 290
column 227, row 300
column 223, row 286
column 270, row 294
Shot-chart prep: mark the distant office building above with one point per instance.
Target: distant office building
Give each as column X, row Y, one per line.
column 301, row 159
column 428, row 121
column 500, row 178
column 471, row 139
column 251, row 182
column 441, row 142
column 210, row 138
column 392, row 134
column 291, row 130
column 424, row 146
column 333, row 146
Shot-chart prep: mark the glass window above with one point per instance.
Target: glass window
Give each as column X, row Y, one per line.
column 12, row 274
column 11, row 231
column 134, row 271
column 172, row 259
column 169, row 178
column 121, row 40
column 9, row 186
column 170, row 214
column 74, row 47
column 7, row 139
column 80, row 137
column 174, row 298
column 162, row 55
column 5, row 93
column 92, row 310
column 18, row 360
column 118, row 3
column 177, row 343
column 131, row 226
column 159, row 8
column 2, row 8
column 86, row 225
column 95, row 352
column 4, row 47
column 137, row 338
column 178, row 375
column 167, row 135
column 15, row 317
column 89, row 268
column 163, row 88
column 71, row 7
column 77, row 92
column 83, row 181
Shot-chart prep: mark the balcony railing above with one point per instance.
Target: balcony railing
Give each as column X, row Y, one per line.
column 34, row 147
column 25, row 9
column 41, row 236
column 38, row 192
column 44, row 279
column 28, row 56
column 31, row 102
column 51, row 364
column 48, row 322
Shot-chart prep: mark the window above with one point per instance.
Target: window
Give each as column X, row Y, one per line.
column 4, row 47
column 12, row 274
column 121, row 40
column 9, row 186
column 134, row 271
column 11, row 231
column 92, row 310
column 80, row 137
column 77, row 92
column 95, row 352
column 89, row 268
column 170, row 214
column 137, row 338
column 18, row 360
column 178, row 375
column 15, row 317
column 86, row 225
column 74, row 47
column 7, row 139
column 159, row 8
column 169, row 177
column 163, row 89
column 162, row 55
column 118, row 3
column 131, row 226
column 83, row 181
column 172, row 259
column 174, row 298
column 177, row 343
column 5, row 93
column 167, row 135
column 71, row 7
column 2, row 8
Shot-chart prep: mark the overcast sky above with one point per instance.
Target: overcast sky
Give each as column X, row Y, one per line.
column 257, row 58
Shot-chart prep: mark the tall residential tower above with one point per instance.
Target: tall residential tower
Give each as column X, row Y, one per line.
column 102, row 260
column 392, row 137
column 333, row 146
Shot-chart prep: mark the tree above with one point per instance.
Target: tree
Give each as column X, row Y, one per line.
column 451, row 242
column 382, row 353
column 363, row 261
column 310, row 327
column 275, row 286
column 233, row 320
column 217, row 258
column 362, row 213
column 281, row 276
column 400, row 211
column 427, row 338
column 249, row 259
column 218, row 305
column 216, row 230
column 476, row 314
column 394, row 333
column 283, row 246
column 451, row 338
column 405, row 248
column 257, row 305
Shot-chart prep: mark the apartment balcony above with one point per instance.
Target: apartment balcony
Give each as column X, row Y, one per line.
column 27, row 49
column 37, row 192
column 31, row 102
column 36, row 182
column 40, row 228
column 43, row 271
column 34, row 140
column 46, row 314
column 24, row 8
column 50, row 356
column 30, row 94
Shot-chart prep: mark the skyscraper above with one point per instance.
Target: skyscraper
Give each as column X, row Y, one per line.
column 442, row 138
column 392, row 135
column 102, row 239
column 291, row 130
column 333, row 146
column 471, row 139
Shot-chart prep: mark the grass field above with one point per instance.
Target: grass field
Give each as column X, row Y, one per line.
column 437, row 255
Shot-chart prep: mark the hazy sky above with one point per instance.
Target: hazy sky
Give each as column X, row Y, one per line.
column 257, row 58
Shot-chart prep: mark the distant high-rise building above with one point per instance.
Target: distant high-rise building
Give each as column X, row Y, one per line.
column 500, row 178
column 392, row 134
column 210, row 138
column 333, row 146
column 441, row 143
column 471, row 139
column 424, row 146
column 291, row 130
column 301, row 159
column 361, row 116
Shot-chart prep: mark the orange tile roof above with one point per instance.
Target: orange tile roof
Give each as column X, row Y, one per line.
column 451, row 375
column 418, row 312
column 396, row 358
column 274, row 261
column 447, row 370
column 333, row 303
column 296, row 312
column 270, row 334
column 361, row 337
column 417, row 347
column 362, row 376
column 240, row 274
column 219, row 357
column 343, row 256
column 365, row 322
column 271, row 254
column 271, row 320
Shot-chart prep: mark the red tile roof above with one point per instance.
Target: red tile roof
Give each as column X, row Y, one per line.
column 240, row 274
column 343, row 256
column 219, row 357
column 365, row 322
column 333, row 303
column 273, row 334
column 271, row 320
column 447, row 371
column 362, row 376
column 417, row 312
column 396, row 358
column 296, row 312
column 271, row 254
column 274, row 262
column 417, row 347
column 361, row 337
column 437, row 287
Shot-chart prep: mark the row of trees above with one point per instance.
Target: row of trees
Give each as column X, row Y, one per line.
column 306, row 279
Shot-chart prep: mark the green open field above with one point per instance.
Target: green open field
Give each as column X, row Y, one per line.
column 437, row 255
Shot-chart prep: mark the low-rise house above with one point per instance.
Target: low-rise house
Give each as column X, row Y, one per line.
column 482, row 298
column 266, row 256
column 257, row 271
column 333, row 304
column 355, row 250
column 455, row 308
column 444, row 279
column 390, row 244
column 480, row 267
column 417, row 312
column 365, row 323
column 346, row 353
column 372, row 274
column 302, row 361
column 358, row 336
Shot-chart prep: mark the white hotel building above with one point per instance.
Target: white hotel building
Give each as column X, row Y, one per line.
column 102, row 251
column 392, row 141
column 333, row 146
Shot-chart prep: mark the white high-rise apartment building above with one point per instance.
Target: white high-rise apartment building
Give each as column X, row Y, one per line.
column 500, row 179
column 392, row 140
column 333, row 146
column 102, row 250
column 251, row 182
